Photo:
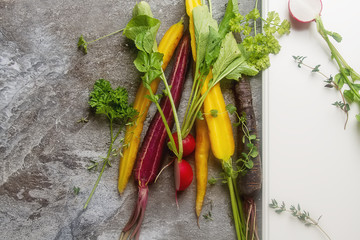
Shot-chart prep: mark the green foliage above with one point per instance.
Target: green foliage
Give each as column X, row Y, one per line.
column 358, row 117
column 142, row 30
column 82, row 44
column 251, row 151
column 114, row 104
column 111, row 102
column 206, row 36
column 149, row 64
column 76, row 190
column 212, row 181
column 260, row 45
column 214, row 112
column 208, row 216
column 297, row 212
column 142, row 8
column 348, row 96
column 230, row 108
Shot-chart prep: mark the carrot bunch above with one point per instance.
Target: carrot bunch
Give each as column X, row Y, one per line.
column 133, row 132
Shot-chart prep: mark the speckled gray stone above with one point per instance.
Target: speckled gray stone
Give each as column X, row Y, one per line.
column 44, row 152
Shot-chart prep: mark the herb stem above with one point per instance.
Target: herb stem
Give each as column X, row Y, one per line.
column 105, row 162
column 108, row 35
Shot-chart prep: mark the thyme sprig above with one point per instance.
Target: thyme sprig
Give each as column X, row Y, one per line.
column 248, row 139
column 296, row 211
column 336, row 82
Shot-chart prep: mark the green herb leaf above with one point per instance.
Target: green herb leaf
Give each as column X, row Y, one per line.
column 142, row 8
column 230, row 108
column 336, row 36
column 358, row 117
column 316, row 68
column 142, row 29
column 82, row 44
column 214, row 113
column 112, row 103
column 200, row 115
column 76, row 190
column 249, row 164
column 202, row 23
column 339, row 80
column 231, row 10
column 212, row 181
column 150, row 64
column 229, row 51
column 212, row 50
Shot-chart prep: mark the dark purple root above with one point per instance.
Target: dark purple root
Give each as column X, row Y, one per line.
column 251, row 226
column 132, row 228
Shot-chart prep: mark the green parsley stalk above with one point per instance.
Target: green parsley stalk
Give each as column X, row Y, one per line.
column 113, row 103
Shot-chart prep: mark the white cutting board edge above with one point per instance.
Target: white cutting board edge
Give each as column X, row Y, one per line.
column 308, row 158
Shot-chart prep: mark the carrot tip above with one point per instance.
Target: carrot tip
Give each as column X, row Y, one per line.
column 198, row 223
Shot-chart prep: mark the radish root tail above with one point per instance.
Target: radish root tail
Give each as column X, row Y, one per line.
column 132, row 228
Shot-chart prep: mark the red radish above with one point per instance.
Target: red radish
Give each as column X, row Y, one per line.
column 183, row 175
column 152, row 148
column 305, row 10
column 188, row 144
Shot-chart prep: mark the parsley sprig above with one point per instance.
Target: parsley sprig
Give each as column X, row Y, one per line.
column 113, row 103
column 257, row 45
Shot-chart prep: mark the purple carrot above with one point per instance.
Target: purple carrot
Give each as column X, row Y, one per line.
column 153, row 146
column 249, row 183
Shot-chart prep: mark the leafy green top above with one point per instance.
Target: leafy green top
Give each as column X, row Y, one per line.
column 257, row 47
column 111, row 102
column 142, row 29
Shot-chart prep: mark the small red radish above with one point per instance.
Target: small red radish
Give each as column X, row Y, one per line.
column 183, row 175
column 305, row 10
column 188, row 144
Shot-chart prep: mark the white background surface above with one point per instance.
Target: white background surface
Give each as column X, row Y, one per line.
column 308, row 156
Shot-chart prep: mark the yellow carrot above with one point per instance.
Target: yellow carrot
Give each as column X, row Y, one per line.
column 190, row 5
column 132, row 138
column 218, row 121
column 201, row 163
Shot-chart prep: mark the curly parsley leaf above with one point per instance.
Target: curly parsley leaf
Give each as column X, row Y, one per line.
column 259, row 45
column 111, row 102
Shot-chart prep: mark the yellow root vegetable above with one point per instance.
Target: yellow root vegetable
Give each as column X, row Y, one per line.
column 218, row 121
column 201, row 163
column 190, row 5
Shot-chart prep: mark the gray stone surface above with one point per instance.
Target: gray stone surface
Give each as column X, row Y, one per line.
column 44, row 152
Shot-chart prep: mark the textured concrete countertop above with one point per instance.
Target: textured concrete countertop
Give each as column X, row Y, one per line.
column 44, row 86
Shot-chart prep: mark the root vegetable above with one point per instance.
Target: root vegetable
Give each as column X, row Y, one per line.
column 188, row 144
column 133, row 132
column 152, row 148
column 305, row 10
